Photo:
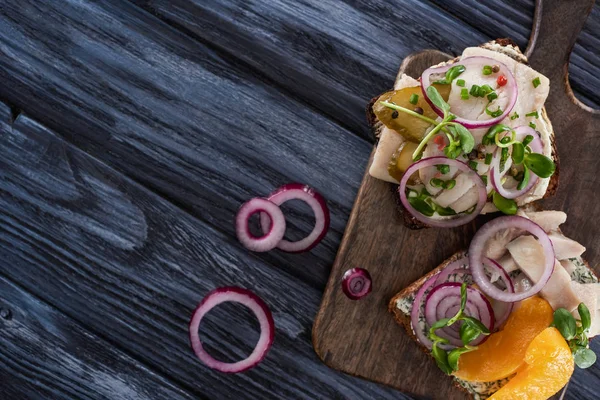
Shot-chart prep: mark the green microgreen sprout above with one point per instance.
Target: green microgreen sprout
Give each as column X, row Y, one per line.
column 452, row 74
column 470, row 330
column 576, row 333
column 536, row 82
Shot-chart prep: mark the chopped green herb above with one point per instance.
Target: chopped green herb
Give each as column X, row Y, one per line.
column 505, row 140
column 528, row 139
column 443, row 168
column 421, row 206
column 532, row 125
column 460, row 82
column 503, row 158
column 449, row 184
column 532, row 114
column 474, row 91
column 486, row 89
column 436, row 182
column 536, row 82
column 525, row 180
column 488, row 158
column 490, row 135
column 494, row 114
column 473, row 165
column 514, row 116
column 492, row 96
column 414, row 98
column 464, row 94
column 487, row 69
column 484, row 179
column 452, row 74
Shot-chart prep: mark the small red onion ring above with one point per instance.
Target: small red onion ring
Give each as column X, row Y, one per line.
column 511, row 88
column 356, row 283
column 442, row 222
column 275, row 233
column 298, row 191
column 256, row 305
column 452, row 290
column 501, row 309
column 477, row 248
column 494, row 173
column 459, row 266
column 416, row 313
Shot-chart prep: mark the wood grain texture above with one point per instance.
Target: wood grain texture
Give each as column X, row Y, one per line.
column 46, row 355
column 131, row 268
column 352, row 48
column 396, row 256
column 174, row 115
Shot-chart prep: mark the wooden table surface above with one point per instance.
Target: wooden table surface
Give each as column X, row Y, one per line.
column 131, row 132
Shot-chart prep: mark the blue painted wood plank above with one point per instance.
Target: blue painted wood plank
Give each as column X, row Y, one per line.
column 174, row 115
column 334, row 55
column 46, row 355
column 131, row 267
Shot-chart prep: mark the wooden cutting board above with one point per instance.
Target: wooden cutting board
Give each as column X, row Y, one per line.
column 360, row 337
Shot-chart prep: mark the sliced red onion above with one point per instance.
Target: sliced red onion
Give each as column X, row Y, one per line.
column 458, row 267
column 474, row 62
column 476, row 258
column 448, row 308
column 417, row 312
column 494, row 174
column 443, row 222
column 275, row 232
column 437, row 296
column 256, row 305
column 501, row 309
column 356, row 283
column 298, row 191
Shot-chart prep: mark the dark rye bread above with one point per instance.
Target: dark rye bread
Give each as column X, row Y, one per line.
column 376, row 127
column 414, row 287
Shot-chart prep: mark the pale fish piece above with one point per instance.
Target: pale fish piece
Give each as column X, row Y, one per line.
column 588, row 294
column 548, row 220
column 495, row 247
column 508, row 263
column 528, row 98
column 463, row 184
column 529, row 256
column 564, row 247
column 467, row 201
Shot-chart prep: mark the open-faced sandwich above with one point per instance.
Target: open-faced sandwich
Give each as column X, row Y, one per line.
column 510, row 317
column 468, row 136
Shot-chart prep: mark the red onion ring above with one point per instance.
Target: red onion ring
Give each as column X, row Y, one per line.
column 256, row 305
column 448, row 308
column 356, row 283
column 452, row 290
column 453, row 268
column 298, row 191
column 441, row 222
column 477, row 247
column 511, row 89
column 501, row 309
column 276, row 230
column 494, row 173
column 416, row 312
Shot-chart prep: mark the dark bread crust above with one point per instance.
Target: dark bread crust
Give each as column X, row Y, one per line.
column 376, row 127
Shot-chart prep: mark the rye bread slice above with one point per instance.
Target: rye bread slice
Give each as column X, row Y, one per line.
column 513, row 51
column 412, row 290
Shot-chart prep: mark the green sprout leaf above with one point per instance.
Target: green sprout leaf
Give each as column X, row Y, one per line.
column 452, row 74
column 584, row 358
column 525, row 181
column 586, row 318
column 518, row 153
column 539, row 164
column 468, row 333
column 467, row 142
column 507, row 206
column 437, row 100
column 441, row 359
column 475, row 323
column 421, row 206
column 565, row 323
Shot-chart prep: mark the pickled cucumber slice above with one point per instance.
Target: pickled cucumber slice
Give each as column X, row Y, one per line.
column 401, row 160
